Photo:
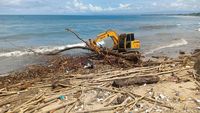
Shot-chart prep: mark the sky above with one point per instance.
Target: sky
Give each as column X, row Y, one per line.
column 95, row 7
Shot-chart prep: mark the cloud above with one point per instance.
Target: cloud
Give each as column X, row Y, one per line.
column 178, row 5
column 10, row 2
column 185, row 4
column 97, row 6
column 154, row 4
column 78, row 6
column 124, row 6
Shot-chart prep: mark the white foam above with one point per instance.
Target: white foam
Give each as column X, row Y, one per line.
column 15, row 53
column 198, row 29
column 175, row 44
column 43, row 49
column 101, row 43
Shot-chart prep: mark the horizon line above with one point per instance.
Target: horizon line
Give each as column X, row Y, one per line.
column 89, row 14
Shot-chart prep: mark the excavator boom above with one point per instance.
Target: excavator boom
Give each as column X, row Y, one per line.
column 110, row 33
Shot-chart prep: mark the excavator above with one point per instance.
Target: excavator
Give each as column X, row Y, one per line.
column 125, row 42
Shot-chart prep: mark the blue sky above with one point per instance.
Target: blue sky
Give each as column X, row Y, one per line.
column 85, row 7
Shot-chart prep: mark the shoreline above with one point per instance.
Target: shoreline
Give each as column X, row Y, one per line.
column 84, row 55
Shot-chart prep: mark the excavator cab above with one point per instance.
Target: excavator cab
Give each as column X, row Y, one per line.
column 128, row 42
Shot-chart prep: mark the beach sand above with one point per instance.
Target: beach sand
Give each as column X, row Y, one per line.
column 64, row 85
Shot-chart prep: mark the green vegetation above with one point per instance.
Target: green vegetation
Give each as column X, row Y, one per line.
column 195, row 14
column 191, row 14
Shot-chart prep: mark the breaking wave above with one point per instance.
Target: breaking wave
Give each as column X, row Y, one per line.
column 175, row 44
column 44, row 49
column 198, row 29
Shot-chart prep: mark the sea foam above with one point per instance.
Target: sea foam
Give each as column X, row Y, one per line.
column 198, row 29
column 174, row 44
column 43, row 49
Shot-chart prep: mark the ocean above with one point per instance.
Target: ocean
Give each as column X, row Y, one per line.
column 159, row 34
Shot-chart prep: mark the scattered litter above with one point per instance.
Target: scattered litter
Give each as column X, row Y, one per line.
column 197, row 100
column 62, row 97
column 88, row 64
column 99, row 99
column 94, row 90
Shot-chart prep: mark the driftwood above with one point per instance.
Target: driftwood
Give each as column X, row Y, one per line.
column 134, row 94
column 133, row 75
column 99, row 84
column 33, row 100
column 41, row 106
column 197, row 65
column 67, row 48
column 105, row 51
column 5, row 93
column 137, row 80
column 136, row 101
column 58, row 106
column 196, row 53
column 101, row 109
column 69, row 108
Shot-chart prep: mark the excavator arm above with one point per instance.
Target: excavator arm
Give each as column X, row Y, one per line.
column 107, row 34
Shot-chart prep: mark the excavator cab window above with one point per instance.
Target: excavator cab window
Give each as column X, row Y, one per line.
column 122, row 38
column 129, row 37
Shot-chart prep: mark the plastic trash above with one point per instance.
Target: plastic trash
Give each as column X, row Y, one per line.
column 62, row 97
column 88, row 64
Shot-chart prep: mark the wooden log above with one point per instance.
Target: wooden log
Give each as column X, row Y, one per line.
column 101, row 109
column 137, row 80
column 33, row 100
column 67, row 48
column 197, row 65
column 105, row 51
column 8, row 93
column 151, row 74
column 56, row 107
column 196, row 53
column 41, row 106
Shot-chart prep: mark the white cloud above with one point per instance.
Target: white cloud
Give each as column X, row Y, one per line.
column 89, row 6
column 124, row 6
column 177, row 4
column 154, row 3
column 95, row 8
column 10, row 2
column 185, row 4
column 78, row 6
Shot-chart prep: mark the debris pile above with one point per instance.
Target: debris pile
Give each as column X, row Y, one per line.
column 60, row 64
column 197, row 65
column 160, row 85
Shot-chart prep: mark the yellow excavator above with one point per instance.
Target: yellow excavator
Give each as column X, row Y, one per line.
column 123, row 43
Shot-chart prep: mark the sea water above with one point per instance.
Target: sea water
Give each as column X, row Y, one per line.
column 159, row 34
